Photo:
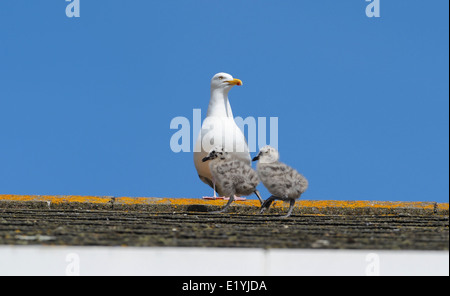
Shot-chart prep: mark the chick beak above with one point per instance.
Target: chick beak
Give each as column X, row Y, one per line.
column 206, row 158
column 255, row 158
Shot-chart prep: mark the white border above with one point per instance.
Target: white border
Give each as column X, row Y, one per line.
column 72, row 260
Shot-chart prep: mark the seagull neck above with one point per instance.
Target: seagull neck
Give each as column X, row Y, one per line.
column 219, row 105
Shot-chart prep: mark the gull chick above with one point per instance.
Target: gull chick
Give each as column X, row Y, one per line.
column 282, row 181
column 234, row 177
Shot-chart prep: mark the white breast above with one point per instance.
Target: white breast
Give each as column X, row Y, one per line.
column 219, row 131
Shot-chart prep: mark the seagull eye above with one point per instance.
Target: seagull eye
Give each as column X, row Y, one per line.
column 220, row 77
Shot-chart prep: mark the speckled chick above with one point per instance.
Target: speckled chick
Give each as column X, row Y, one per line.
column 234, row 177
column 282, row 181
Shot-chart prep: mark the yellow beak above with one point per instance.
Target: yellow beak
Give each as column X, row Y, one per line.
column 235, row 82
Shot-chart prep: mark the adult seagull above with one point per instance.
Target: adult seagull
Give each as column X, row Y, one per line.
column 220, row 129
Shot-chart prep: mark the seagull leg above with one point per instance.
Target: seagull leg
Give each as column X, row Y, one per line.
column 212, row 184
column 226, row 206
column 291, row 208
column 266, row 205
column 259, row 196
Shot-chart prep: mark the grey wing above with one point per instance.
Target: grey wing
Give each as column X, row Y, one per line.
column 246, row 180
column 235, row 177
column 298, row 182
column 275, row 177
column 301, row 182
column 223, row 176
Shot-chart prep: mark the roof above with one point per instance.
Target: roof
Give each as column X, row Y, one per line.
column 182, row 222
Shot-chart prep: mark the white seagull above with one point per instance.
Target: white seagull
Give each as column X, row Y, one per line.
column 220, row 129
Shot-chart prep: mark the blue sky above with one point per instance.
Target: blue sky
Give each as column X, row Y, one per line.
column 86, row 103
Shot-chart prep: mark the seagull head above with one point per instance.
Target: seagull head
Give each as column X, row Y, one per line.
column 267, row 154
column 224, row 81
column 216, row 152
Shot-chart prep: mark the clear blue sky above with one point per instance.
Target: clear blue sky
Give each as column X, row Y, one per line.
column 86, row 103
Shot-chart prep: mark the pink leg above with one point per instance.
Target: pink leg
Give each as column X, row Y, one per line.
column 215, row 197
column 236, row 198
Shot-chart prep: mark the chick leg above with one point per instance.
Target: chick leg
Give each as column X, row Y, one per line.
column 230, row 201
column 266, row 205
column 291, row 208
